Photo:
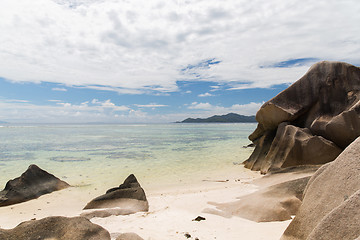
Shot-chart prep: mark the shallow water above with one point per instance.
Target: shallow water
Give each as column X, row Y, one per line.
column 103, row 155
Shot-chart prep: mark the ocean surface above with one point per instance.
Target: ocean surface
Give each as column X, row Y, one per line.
column 104, row 155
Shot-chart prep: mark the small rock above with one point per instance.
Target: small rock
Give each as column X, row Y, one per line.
column 199, row 218
column 187, row 235
column 249, row 146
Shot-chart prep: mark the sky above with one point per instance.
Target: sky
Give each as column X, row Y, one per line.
column 138, row 61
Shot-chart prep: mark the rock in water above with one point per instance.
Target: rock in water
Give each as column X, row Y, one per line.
column 331, row 204
column 323, row 107
column 128, row 198
column 33, row 183
column 59, row 228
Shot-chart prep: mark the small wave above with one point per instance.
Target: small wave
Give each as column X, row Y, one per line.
column 131, row 155
column 69, row 159
column 6, row 157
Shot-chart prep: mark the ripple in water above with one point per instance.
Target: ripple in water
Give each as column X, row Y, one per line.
column 131, row 155
column 6, row 157
column 69, row 159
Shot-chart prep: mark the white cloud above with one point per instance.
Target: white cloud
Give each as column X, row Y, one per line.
column 107, row 105
column 106, row 111
column 151, row 105
column 246, row 109
column 205, row 95
column 62, row 112
column 214, row 88
column 119, row 46
column 67, row 105
column 16, row 101
column 113, row 89
column 59, row 89
column 209, row 109
column 202, row 106
column 95, row 101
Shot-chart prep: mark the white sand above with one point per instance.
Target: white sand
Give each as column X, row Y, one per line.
column 172, row 208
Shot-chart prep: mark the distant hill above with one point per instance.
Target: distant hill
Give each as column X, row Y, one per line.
column 228, row 118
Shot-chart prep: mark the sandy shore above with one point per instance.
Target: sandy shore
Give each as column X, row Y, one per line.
column 172, row 209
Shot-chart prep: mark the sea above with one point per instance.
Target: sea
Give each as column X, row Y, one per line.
column 103, row 155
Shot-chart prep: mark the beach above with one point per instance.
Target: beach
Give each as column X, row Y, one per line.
column 173, row 207
column 200, row 120
column 183, row 169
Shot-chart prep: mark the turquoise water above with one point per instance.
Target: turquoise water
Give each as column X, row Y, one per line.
column 103, row 155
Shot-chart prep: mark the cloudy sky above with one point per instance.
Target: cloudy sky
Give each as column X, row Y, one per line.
column 162, row 60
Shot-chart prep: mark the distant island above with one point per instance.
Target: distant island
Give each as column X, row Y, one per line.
column 228, row 118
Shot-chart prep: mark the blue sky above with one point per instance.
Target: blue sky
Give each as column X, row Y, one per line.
column 112, row 61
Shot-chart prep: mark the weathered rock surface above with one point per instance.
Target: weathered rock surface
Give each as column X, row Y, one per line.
column 128, row 198
column 329, row 227
column 331, row 204
column 262, row 147
column 33, row 183
column 279, row 198
column 276, row 203
column 323, row 107
column 285, row 175
column 294, row 146
column 59, row 228
column 129, row 236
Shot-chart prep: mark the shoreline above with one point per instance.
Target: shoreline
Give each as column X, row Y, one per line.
column 172, row 209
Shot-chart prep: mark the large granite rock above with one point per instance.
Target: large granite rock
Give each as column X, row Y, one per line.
column 331, row 204
column 323, row 107
column 128, row 198
column 59, row 228
column 33, row 183
column 294, row 146
column 329, row 227
column 262, row 147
